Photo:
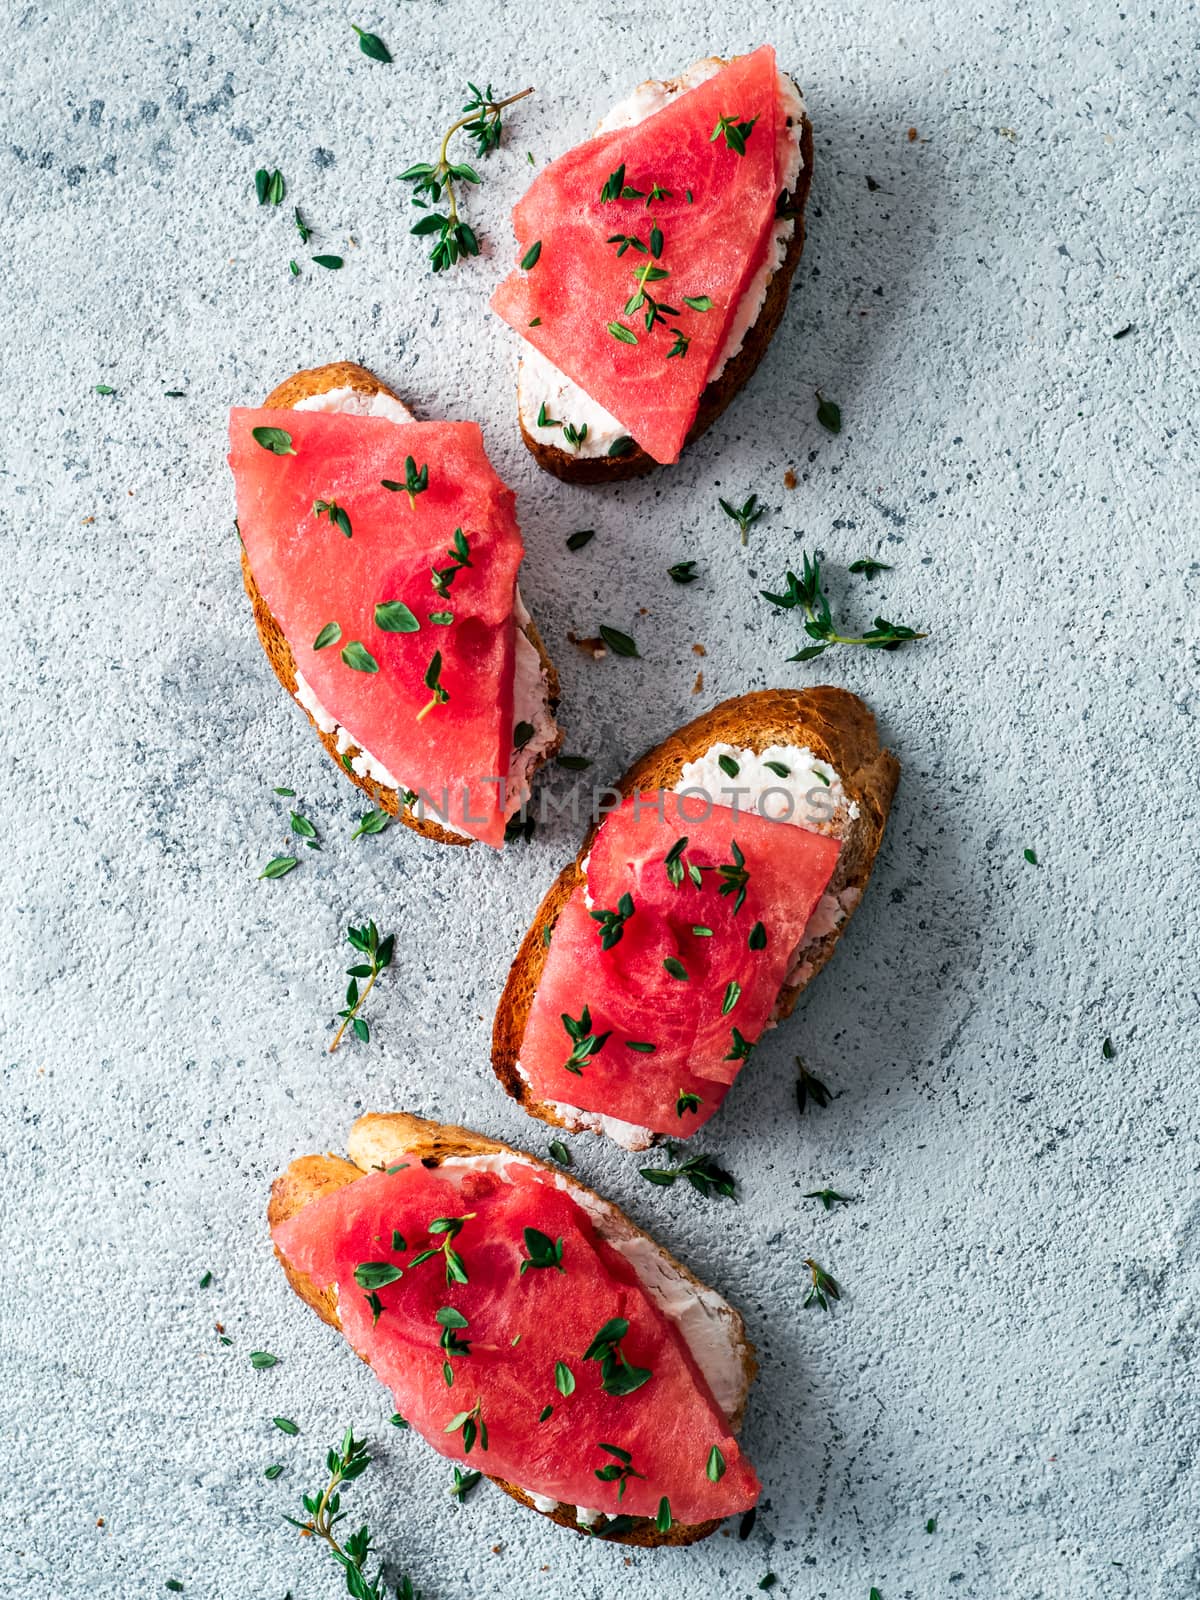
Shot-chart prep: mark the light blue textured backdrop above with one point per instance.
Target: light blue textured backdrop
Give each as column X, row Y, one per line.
column 1016, row 1351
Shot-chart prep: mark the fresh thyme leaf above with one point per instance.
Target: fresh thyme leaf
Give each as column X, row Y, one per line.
column 269, row 187
column 104, row 388
column 829, row 414
column 828, row 1197
column 302, row 228
column 530, row 259
column 574, row 763
column 685, row 1102
column 733, row 993
column 617, row 1376
column 641, row 1047
column 619, row 643
column 931, row 1525
column 288, row 794
column 545, row 420
column 1107, row 1050
column 698, row 302
column 767, row 1581
column 824, row 1286
column 330, row 263
column 622, row 446
column 373, row 822
column 277, row 440
column 701, row 1172
column 372, row 45
column 612, row 923
column 278, row 867
column 714, row 1469
column 869, row 568
column 683, row 572
column 1031, row 857
column 261, row 1360
column 576, row 541
column 433, row 681
column 377, row 1274
column 453, row 239
column 329, row 634
column 564, row 1379
column 676, row 968
column 357, row 656
column 1121, row 332
column 745, row 515
column 463, row 1483
column 728, row 766
column 273, row 1472
column 561, row 1154
column 758, row 937
column 575, row 436
column 393, row 616
column 662, row 1520
column 294, row 267
column 809, row 1088
column 335, row 513
column 623, row 335
column 735, row 133
column 286, row 1425
column 544, row 1252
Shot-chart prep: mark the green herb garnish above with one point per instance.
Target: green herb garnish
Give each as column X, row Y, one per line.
column 617, row 1375
column 810, row 1088
column 745, row 515
column 576, row 541
column 620, row 1469
column 543, row 1251
column 277, row 440
column 372, row 45
column 828, row 1197
column 619, row 643
column 584, row 1043
column 358, row 657
column 868, row 567
column 373, row 822
column 735, row 133
column 269, row 186
column 378, row 956
column 453, row 239
column 805, row 593
column 702, row 1172
column 829, row 414
column 824, row 1287
column 683, row 572
column 612, row 923
column 447, row 1229
column 335, row 513
column 279, row 867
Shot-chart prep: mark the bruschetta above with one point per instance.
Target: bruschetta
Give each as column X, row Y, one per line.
column 654, row 264
column 380, row 555
column 525, row 1327
column 694, row 915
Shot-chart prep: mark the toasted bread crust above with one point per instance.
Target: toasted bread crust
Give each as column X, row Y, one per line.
column 836, row 725
column 377, row 1139
column 320, row 380
column 718, row 395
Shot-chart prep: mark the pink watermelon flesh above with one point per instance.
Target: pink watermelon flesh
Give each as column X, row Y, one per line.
column 712, row 246
column 630, row 993
column 310, row 574
column 518, row 1327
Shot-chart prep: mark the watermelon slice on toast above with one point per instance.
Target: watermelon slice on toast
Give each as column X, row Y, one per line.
column 525, row 1327
column 646, row 255
column 385, row 554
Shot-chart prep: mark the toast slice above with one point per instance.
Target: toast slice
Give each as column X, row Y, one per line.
column 301, row 387
column 839, row 729
column 377, row 1141
column 538, row 383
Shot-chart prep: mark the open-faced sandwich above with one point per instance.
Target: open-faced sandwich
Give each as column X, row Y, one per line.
column 381, row 555
column 525, row 1327
column 694, row 915
column 655, row 264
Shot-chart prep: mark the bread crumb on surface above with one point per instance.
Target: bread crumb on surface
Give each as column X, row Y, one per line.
column 699, row 650
column 789, row 479
column 699, row 683
column 912, row 136
column 596, row 648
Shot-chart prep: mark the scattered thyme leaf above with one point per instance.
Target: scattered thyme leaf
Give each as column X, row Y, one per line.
column 829, row 414
column 619, row 643
column 372, row 45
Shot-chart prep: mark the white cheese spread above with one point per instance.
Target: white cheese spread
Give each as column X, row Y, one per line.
column 539, row 382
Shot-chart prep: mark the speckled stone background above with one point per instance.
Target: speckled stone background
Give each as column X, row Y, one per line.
column 1016, row 1351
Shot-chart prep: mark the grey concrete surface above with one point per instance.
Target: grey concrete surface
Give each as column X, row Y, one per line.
column 1016, row 1351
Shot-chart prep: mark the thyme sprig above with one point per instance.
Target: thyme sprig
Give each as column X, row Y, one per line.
column 584, row 1043
column 745, row 515
column 378, row 953
column 612, row 923
column 447, row 1229
column 344, row 1463
column 824, row 1288
column 620, row 1468
column 702, row 1172
column 617, row 1374
column 805, row 594
column 433, row 181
